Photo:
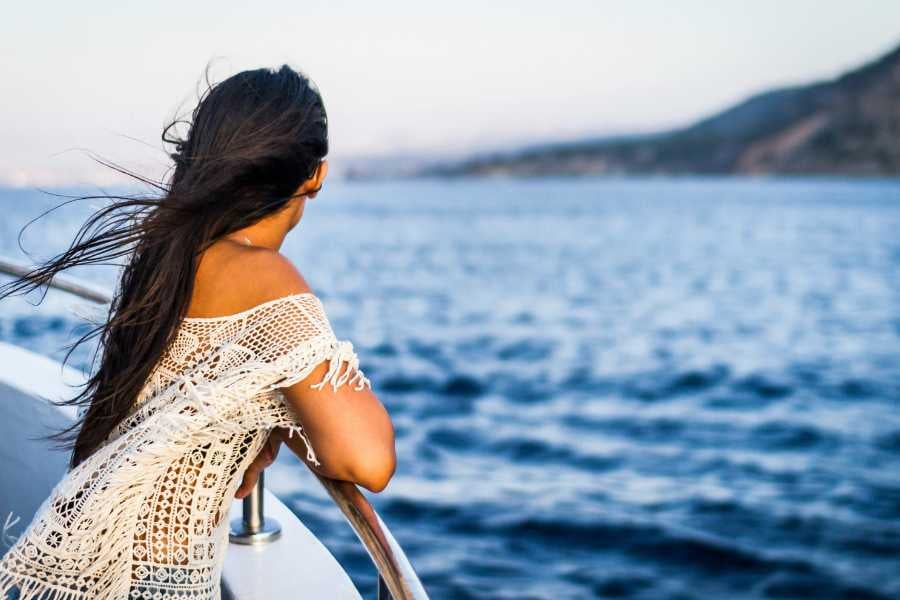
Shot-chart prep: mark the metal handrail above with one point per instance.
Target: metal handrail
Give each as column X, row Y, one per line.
column 395, row 573
column 60, row 282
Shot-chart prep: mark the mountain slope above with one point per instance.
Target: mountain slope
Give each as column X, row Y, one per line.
column 849, row 125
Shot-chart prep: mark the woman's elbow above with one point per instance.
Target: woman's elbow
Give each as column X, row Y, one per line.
column 375, row 469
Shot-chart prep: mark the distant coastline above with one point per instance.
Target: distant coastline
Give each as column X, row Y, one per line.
column 848, row 126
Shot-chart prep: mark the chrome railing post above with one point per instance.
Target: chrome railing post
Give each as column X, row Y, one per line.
column 254, row 527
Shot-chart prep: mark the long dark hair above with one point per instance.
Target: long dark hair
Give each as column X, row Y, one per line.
column 253, row 139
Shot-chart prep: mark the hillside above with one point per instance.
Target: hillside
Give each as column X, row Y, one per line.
column 849, row 125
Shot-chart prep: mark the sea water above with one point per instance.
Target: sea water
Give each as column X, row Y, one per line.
column 601, row 388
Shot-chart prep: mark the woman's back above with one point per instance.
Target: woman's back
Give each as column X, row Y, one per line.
column 232, row 277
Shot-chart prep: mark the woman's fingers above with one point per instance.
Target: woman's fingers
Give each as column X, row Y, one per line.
column 249, row 480
column 274, row 442
column 266, row 457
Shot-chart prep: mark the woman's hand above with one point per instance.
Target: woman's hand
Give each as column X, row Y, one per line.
column 265, row 458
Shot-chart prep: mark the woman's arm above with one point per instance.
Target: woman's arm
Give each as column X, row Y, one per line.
column 350, row 431
column 367, row 461
column 347, row 449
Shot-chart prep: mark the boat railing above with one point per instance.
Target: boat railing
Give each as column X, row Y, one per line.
column 397, row 580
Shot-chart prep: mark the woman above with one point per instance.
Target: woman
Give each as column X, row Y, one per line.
column 215, row 350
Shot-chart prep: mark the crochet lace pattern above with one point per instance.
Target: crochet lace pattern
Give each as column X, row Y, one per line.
column 146, row 515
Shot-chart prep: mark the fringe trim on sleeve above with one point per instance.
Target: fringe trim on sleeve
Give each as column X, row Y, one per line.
column 310, row 453
column 340, row 352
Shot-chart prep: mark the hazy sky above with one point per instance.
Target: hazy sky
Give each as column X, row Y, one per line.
column 402, row 76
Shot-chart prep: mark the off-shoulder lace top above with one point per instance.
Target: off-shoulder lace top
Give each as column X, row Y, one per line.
column 146, row 515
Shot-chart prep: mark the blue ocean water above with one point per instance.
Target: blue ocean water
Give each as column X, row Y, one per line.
column 603, row 388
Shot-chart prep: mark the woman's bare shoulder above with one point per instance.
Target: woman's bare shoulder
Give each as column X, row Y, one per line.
column 234, row 278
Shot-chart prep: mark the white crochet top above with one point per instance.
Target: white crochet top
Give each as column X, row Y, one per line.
column 146, row 515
